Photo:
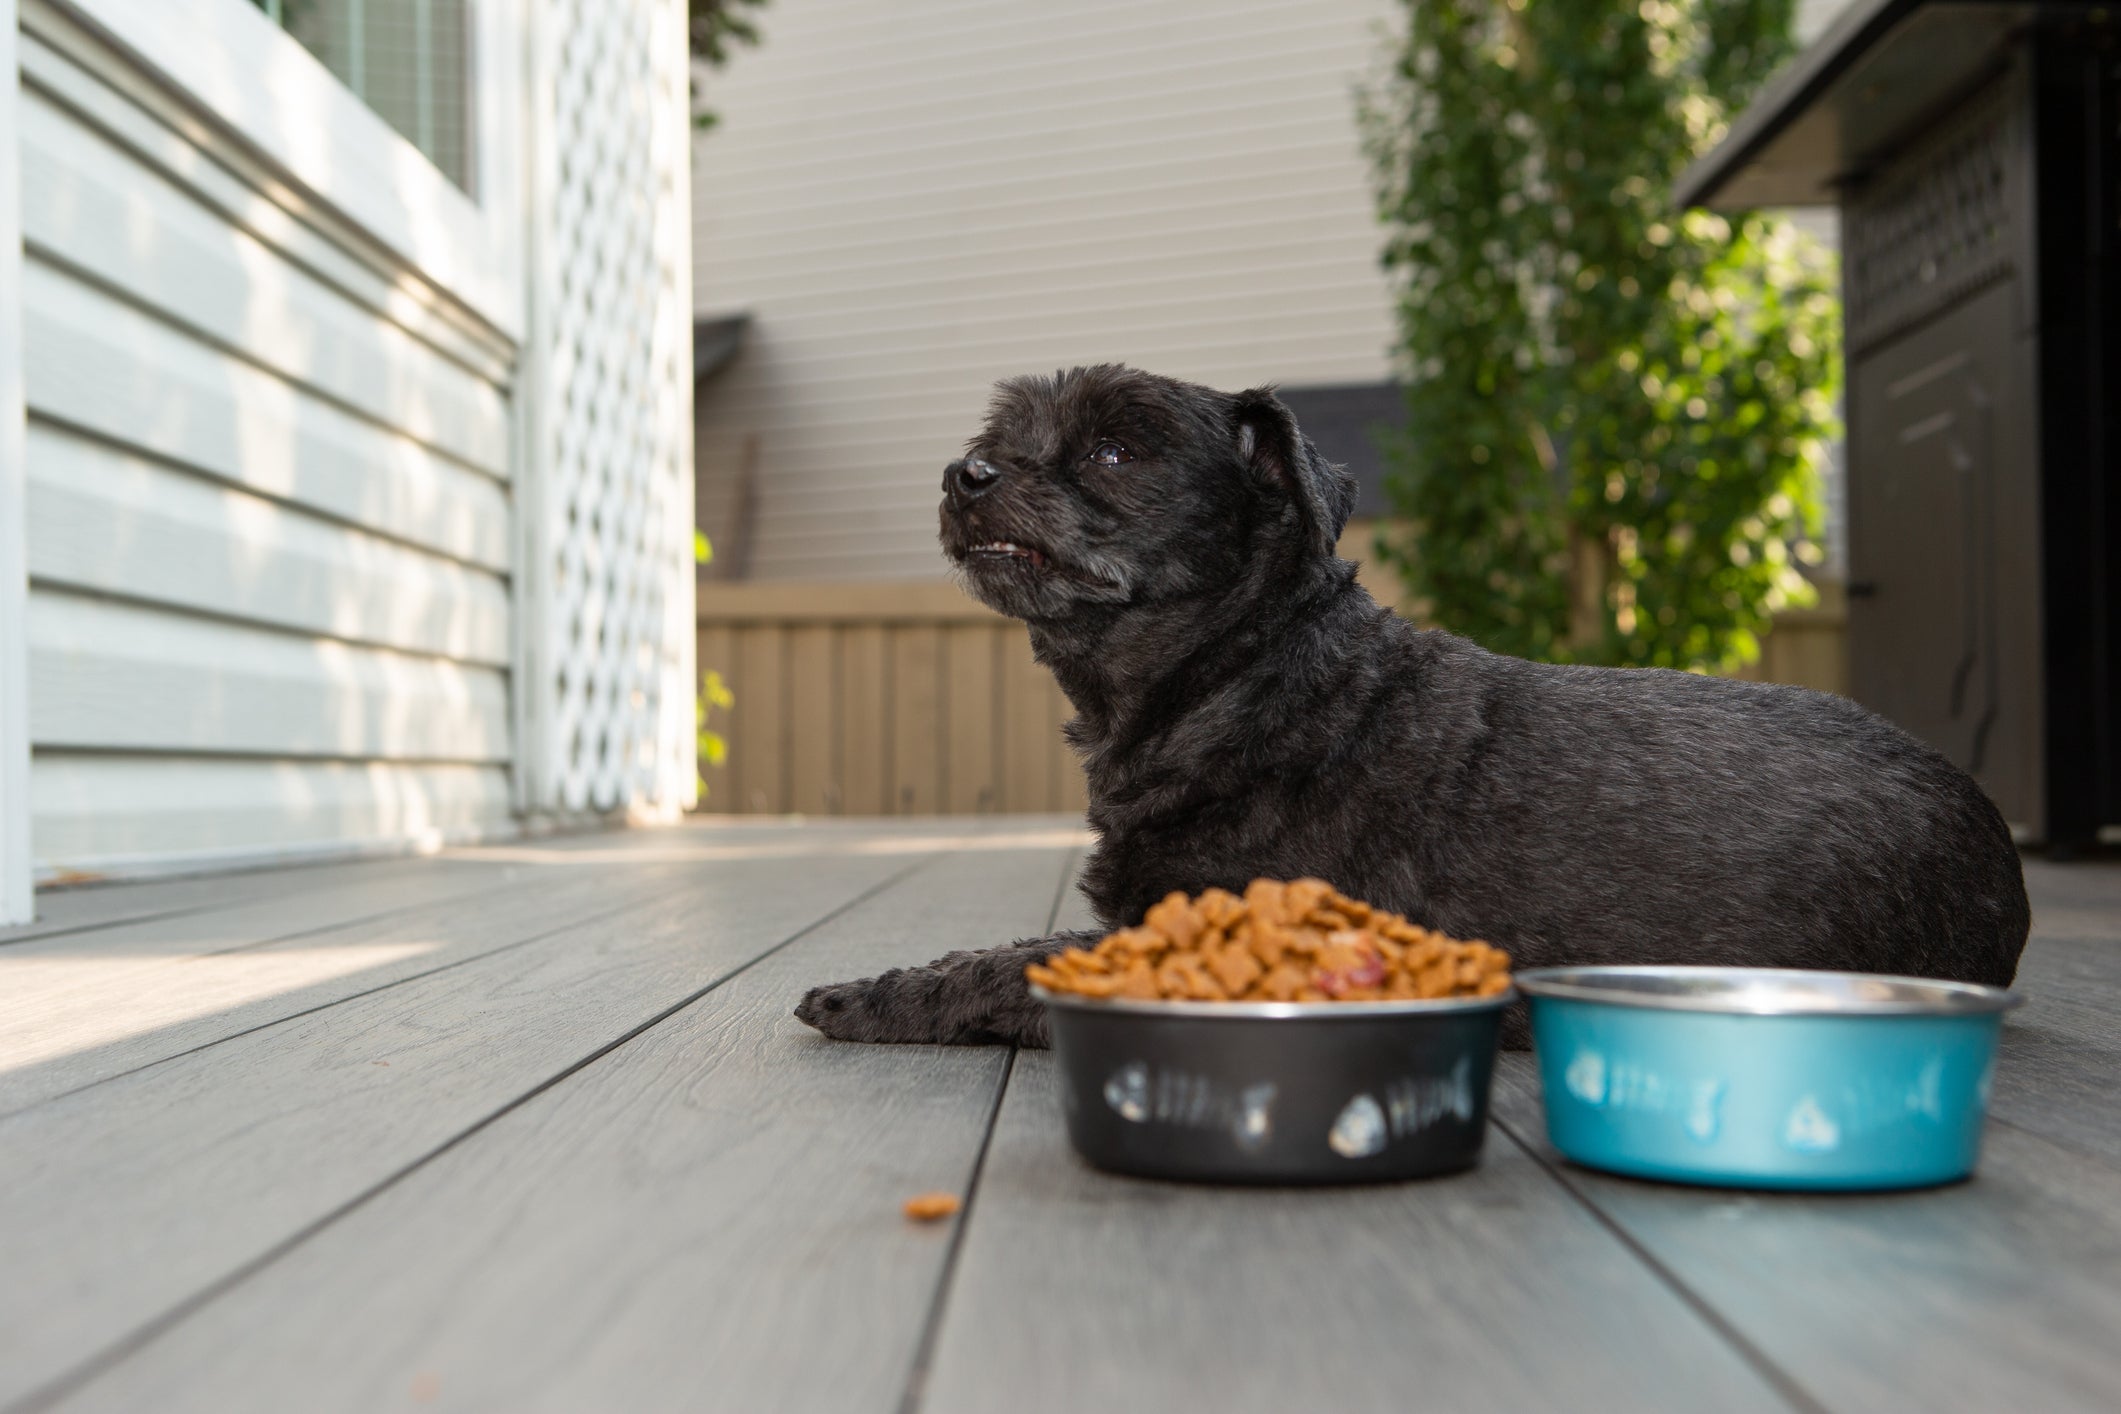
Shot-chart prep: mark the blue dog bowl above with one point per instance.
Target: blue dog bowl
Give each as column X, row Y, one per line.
column 1761, row 1078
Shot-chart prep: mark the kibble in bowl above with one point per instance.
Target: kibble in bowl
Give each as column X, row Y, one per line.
column 1298, row 942
column 1286, row 1035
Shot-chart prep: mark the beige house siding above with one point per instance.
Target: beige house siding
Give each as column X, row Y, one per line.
column 1176, row 185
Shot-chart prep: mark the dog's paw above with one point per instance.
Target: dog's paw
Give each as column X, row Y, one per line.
column 964, row 999
column 845, row 1011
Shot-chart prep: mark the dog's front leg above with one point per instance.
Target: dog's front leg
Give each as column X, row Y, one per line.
column 961, row 999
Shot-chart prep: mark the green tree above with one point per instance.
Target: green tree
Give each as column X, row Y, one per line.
column 1617, row 413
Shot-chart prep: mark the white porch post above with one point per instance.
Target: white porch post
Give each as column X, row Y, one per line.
column 17, row 903
column 605, row 581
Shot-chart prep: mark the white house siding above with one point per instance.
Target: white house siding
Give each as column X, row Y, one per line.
column 17, row 891
column 915, row 199
column 268, row 500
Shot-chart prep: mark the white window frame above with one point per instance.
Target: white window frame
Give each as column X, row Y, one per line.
column 17, row 898
column 229, row 59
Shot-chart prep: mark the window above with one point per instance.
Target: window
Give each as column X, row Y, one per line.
column 410, row 60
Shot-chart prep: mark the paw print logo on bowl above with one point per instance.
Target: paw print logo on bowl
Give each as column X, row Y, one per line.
column 1360, row 1130
column 1810, row 1130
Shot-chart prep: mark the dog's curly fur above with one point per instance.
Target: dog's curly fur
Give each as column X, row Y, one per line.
column 1245, row 709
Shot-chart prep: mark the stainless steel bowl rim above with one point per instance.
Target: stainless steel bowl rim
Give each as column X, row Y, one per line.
column 1240, row 1011
column 1765, row 991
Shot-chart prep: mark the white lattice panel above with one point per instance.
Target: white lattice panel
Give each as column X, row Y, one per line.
column 609, row 679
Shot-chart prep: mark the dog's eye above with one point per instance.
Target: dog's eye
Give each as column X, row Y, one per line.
column 1111, row 454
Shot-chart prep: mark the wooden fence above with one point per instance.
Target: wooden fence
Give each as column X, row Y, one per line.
column 881, row 699
column 911, row 699
column 1808, row 647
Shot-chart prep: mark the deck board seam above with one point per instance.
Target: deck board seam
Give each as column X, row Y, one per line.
column 676, row 886
column 67, row 930
column 560, row 840
column 473, row 889
column 390, row 863
column 932, row 1327
column 1785, row 1385
column 67, row 1384
column 938, row 1309
column 476, row 891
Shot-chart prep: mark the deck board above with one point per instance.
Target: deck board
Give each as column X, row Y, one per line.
column 137, row 1196
column 2000, row 1293
column 1489, row 1290
column 2061, row 1053
column 85, row 908
column 706, row 1217
column 604, row 1168
column 80, row 1009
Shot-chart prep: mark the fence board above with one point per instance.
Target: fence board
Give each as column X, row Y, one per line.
column 1074, row 787
column 890, row 699
column 811, row 748
column 759, row 729
column 916, row 711
column 864, row 720
column 1030, row 767
column 972, row 707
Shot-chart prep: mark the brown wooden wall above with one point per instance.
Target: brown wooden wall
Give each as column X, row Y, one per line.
column 880, row 699
column 911, row 699
column 1808, row 647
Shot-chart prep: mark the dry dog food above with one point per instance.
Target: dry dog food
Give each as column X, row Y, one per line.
column 927, row 1207
column 1296, row 942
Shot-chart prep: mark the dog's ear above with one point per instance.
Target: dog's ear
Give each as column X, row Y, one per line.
column 1274, row 448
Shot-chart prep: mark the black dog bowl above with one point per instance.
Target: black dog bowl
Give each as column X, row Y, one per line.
column 1276, row 1092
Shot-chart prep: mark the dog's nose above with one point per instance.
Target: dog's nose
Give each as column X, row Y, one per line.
column 970, row 477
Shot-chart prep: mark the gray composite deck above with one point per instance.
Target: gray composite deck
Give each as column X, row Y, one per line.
column 531, row 1128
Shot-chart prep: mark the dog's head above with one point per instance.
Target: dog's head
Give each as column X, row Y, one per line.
column 1109, row 486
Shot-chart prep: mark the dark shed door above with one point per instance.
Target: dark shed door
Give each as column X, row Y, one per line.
column 1944, row 626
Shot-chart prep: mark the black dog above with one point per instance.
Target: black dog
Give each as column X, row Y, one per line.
column 1245, row 710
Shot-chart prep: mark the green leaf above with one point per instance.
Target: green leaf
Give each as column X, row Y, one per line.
column 1596, row 384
